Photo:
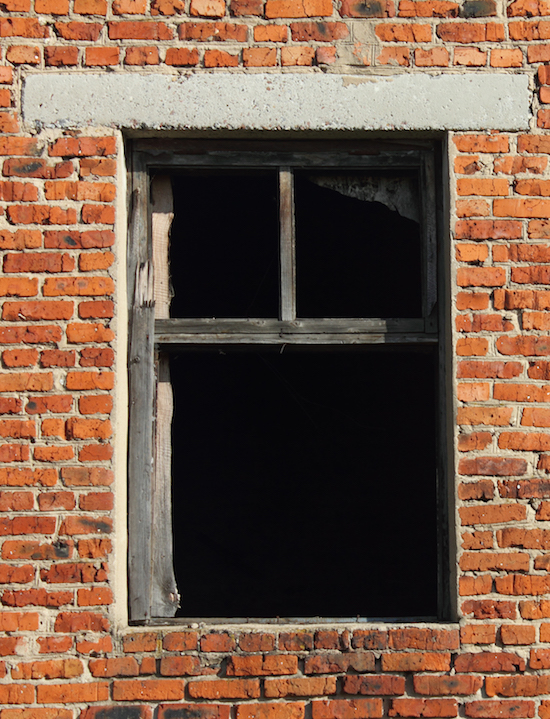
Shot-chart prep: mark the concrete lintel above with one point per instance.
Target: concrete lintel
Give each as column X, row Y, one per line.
column 420, row 101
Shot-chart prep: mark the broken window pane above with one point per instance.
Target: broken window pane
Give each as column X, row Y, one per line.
column 224, row 244
column 358, row 245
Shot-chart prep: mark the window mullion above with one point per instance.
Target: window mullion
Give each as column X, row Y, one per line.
column 287, row 255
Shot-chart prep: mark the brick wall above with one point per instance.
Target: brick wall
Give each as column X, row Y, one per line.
column 66, row 649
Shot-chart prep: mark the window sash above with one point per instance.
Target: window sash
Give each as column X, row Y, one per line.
column 187, row 330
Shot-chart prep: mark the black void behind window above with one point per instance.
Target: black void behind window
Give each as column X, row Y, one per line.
column 304, row 483
column 357, row 236
column 224, row 255
column 285, row 378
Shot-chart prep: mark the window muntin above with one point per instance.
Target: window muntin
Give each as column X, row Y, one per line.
column 414, row 327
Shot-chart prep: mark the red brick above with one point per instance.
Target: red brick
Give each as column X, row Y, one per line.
column 492, row 466
column 56, row 500
column 472, row 346
column 261, row 665
column 217, row 642
column 207, row 8
column 57, row 358
column 97, row 167
column 475, row 586
column 424, row 639
column 478, row 634
column 183, row 641
column 481, row 276
column 97, row 596
column 423, row 708
column 366, row 9
column 299, row 56
column 61, row 56
column 141, row 642
column 300, row 687
column 443, row 686
column 179, row 666
column 37, row 310
column 347, row 709
column 215, row 31
column 220, row 58
column 70, row 239
column 51, row 669
column 295, row 641
column 41, row 214
column 267, row 710
column 148, row 690
column 54, row 645
column 416, row 662
column 375, row 685
column 94, row 548
column 470, row 57
column 182, row 56
column 511, row 634
column 116, row 667
column 492, row 514
column 394, row 56
column 271, row 33
column 101, row 56
column 489, row 662
column 17, row 694
column 428, row 8
column 206, row 711
column 142, row 30
column 340, row 662
column 225, row 689
column 78, row 30
column 517, row 584
column 261, row 56
column 517, row 686
column 499, row 709
column 301, row 8
column 72, row 693
column 247, row 7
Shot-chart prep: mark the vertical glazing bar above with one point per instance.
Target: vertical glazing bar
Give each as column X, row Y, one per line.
column 287, row 240
column 429, row 269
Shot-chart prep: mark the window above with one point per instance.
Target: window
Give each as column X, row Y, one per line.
column 285, row 382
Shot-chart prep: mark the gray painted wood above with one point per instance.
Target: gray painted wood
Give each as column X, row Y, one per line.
column 243, row 158
column 140, row 456
column 182, row 326
column 287, row 239
column 429, row 240
column 165, row 596
column 164, row 593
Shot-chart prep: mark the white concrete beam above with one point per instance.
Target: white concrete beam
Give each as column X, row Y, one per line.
column 419, row 101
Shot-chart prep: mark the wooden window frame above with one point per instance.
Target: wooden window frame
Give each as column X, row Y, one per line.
column 153, row 595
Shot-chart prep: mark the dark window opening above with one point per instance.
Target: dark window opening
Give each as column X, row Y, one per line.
column 285, row 381
column 351, row 248
column 224, row 255
column 304, row 483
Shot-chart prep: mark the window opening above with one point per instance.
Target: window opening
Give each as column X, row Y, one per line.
column 224, row 257
column 304, row 483
column 291, row 384
column 358, row 251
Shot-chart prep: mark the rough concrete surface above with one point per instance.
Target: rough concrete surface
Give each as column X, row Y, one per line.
column 279, row 102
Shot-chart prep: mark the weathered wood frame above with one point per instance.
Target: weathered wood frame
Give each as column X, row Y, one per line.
column 153, row 594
